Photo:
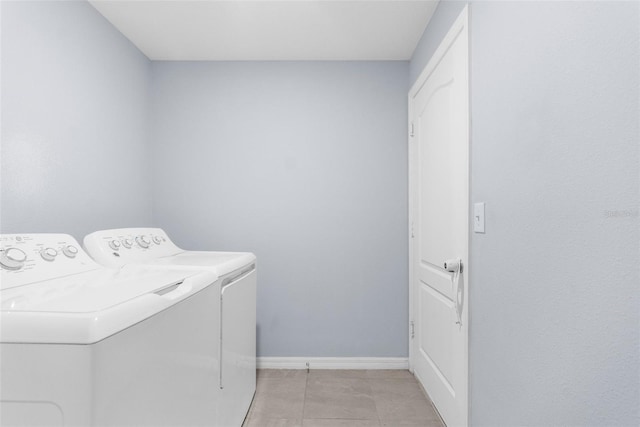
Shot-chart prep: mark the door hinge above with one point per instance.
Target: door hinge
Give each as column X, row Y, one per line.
column 413, row 329
column 412, row 236
column 411, row 133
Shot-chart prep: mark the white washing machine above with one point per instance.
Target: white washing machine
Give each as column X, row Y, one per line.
column 235, row 305
column 82, row 345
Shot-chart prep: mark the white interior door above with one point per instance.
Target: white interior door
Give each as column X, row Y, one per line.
column 439, row 197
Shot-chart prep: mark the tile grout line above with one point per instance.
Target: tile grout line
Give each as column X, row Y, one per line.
column 373, row 397
column 304, row 397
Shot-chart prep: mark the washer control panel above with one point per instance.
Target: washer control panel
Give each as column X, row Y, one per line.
column 29, row 258
column 117, row 247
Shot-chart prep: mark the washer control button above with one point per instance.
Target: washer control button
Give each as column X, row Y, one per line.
column 12, row 258
column 48, row 254
column 70, row 251
column 127, row 243
column 157, row 240
column 143, row 241
column 114, row 244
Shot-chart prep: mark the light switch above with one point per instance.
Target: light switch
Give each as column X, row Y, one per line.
column 478, row 217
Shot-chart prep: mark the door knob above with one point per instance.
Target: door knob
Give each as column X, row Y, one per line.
column 453, row 265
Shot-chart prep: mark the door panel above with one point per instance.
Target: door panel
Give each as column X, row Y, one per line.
column 436, row 278
column 436, row 343
column 435, row 160
column 439, row 193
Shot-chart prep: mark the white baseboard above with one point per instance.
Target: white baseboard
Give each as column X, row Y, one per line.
column 333, row 362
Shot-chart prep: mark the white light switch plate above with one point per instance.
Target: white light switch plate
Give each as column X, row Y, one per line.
column 478, row 217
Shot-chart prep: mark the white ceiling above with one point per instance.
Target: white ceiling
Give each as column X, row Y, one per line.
column 254, row 30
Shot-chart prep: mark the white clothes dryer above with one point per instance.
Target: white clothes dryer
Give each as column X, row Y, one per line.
column 235, row 305
column 85, row 345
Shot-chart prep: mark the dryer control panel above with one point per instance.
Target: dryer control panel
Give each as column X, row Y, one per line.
column 30, row 258
column 118, row 247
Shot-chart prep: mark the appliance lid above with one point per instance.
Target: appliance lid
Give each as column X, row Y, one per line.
column 87, row 307
column 222, row 263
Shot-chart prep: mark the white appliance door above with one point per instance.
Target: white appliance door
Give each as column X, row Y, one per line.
column 237, row 346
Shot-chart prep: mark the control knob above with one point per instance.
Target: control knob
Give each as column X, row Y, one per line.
column 114, row 244
column 48, row 254
column 12, row 258
column 143, row 241
column 127, row 243
column 157, row 240
column 70, row 251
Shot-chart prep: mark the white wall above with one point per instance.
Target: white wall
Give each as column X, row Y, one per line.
column 75, row 103
column 303, row 163
column 554, row 335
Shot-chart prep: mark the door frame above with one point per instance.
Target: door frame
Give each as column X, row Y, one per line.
column 461, row 24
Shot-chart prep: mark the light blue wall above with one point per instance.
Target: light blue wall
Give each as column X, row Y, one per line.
column 554, row 334
column 304, row 164
column 75, row 103
column 554, row 281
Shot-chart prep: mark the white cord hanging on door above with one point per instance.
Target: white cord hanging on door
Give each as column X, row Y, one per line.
column 455, row 266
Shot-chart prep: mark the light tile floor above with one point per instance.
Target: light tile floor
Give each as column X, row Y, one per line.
column 339, row 398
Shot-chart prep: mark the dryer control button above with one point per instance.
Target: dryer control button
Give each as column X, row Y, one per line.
column 157, row 240
column 143, row 241
column 48, row 254
column 70, row 251
column 114, row 244
column 12, row 258
column 127, row 243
